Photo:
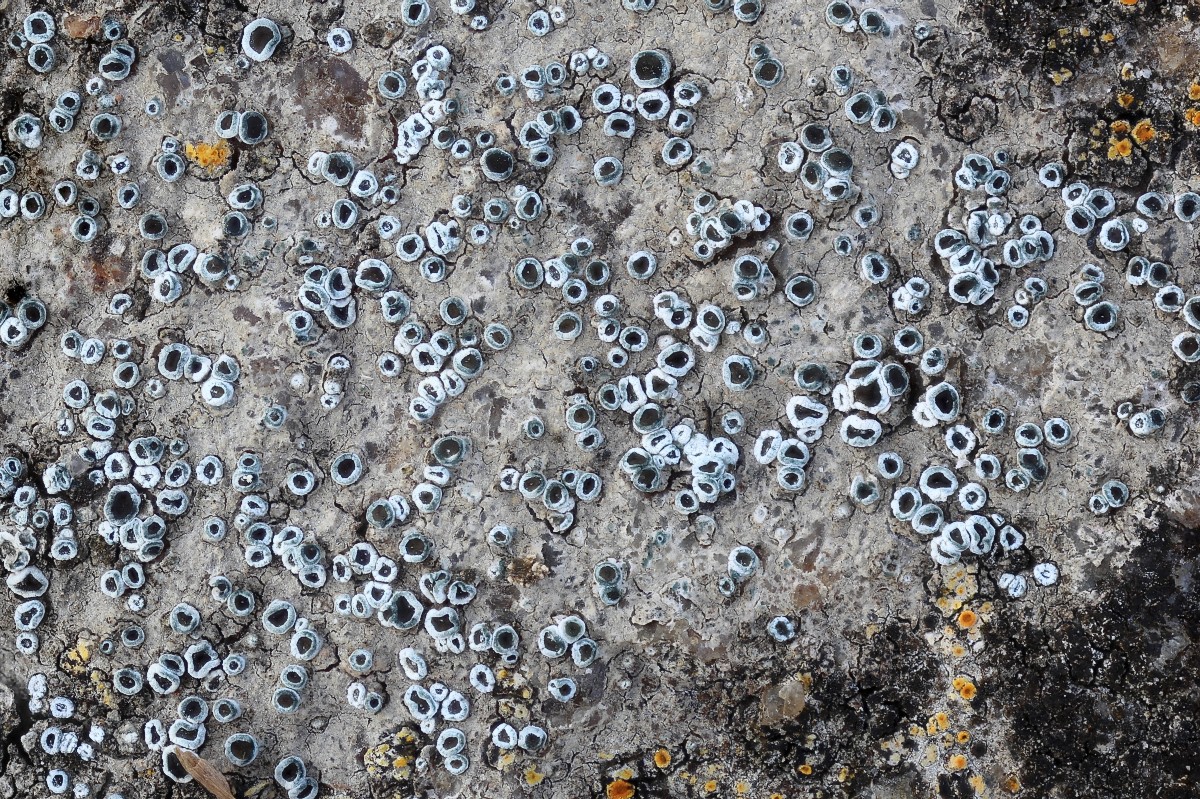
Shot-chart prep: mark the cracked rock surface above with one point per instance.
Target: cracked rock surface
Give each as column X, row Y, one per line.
column 1056, row 660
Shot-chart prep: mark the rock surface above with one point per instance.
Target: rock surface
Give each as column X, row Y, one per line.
column 904, row 677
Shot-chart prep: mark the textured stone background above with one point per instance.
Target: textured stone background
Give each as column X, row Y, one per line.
column 1085, row 689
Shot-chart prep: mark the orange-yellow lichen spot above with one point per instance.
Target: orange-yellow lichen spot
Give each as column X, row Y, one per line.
column 620, row 789
column 967, row 619
column 208, row 156
column 1125, row 99
column 533, row 776
column 1128, row 3
column 957, row 762
column 1012, row 784
column 1144, row 132
column 662, row 758
column 1194, row 90
column 805, row 769
column 1192, row 115
column 711, row 786
column 963, row 736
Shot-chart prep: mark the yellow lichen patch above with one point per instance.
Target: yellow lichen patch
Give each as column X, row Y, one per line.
column 505, row 760
column 967, row 619
column 1144, row 132
column 1193, row 91
column 805, row 769
column 1107, row 37
column 74, row 661
column 100, row 687
column 1061, row 76
column 208, row 156
column 1012, row 784
column 742, row 788
column 1125, row 99
column 1128, row 3
column 977, row 784
column 957, row 762
column 1192, row 115
column 963, row 736
column 620, row 789
column 385, row 760
column 1118, row 127
column 710, row 786
column 1119, row 148
column 624, row 774
column 662, row 758
column 533, row 776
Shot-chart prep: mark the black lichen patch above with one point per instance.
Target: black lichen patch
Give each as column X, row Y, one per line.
column 1104, row 700
column 826, row 732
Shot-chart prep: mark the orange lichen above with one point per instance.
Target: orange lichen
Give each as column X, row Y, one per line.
column 533, row 776
column 742, row 788
column 662, row 758
column 1118, row 126
column 208, row 156
column 963, row 736
column 1192, row 115
column 805, row 769
column 1194, row 90
column 1119, row 148
column 967, row 619
column 1125, row 99
column 957, row 762
column 711, row 786
column 965, row 688
column 620, row 789
column 1129, row 3
column 1144, row 132
column 1012, row 784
